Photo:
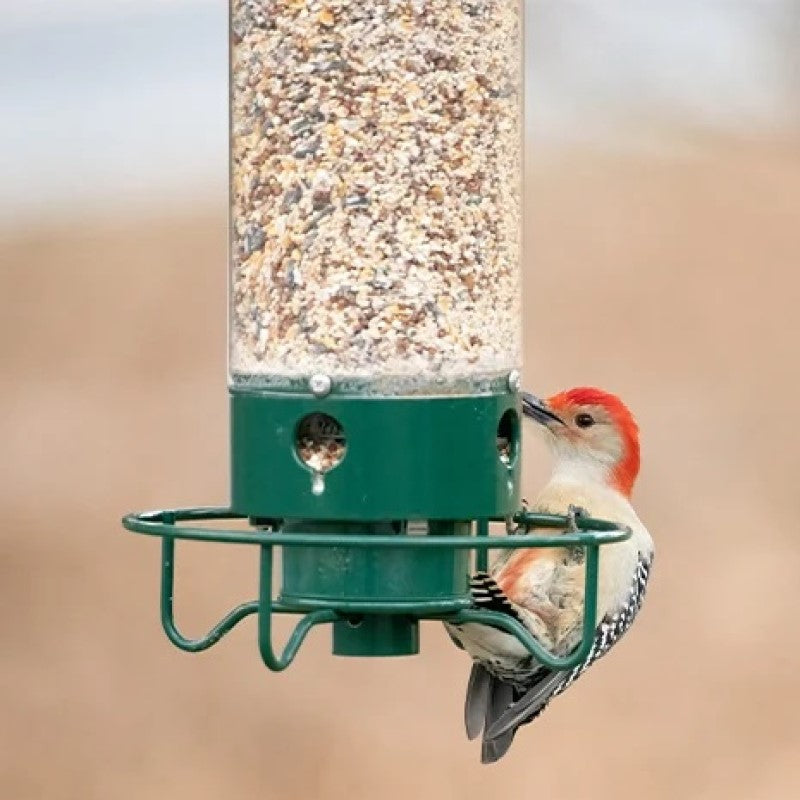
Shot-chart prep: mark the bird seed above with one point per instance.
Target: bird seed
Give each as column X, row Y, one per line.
column 376, row 170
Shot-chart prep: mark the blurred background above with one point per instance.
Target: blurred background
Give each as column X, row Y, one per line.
column 663, row 242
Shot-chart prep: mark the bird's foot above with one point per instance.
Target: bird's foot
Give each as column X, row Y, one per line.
column 574, row 513
column 511, row 526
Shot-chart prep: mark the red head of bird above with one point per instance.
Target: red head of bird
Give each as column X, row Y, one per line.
column 592, row 433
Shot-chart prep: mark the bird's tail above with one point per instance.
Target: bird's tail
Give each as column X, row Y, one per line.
column 487, row 698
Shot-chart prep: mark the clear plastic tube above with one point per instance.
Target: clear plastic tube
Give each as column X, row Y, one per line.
column 376, row 191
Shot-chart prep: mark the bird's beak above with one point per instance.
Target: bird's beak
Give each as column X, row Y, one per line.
column 537, row 410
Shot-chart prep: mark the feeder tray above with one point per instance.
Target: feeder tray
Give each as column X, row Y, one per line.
column 374, row 588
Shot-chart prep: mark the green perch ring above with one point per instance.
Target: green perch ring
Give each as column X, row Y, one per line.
column 376, row 619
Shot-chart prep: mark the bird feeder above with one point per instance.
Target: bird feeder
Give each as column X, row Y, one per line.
column 375, row 323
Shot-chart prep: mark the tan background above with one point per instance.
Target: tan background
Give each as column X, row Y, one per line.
column 670, row 278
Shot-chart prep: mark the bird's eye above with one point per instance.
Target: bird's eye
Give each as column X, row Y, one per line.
column 584, row 420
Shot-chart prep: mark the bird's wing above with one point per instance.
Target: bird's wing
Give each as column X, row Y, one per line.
column 548, row 684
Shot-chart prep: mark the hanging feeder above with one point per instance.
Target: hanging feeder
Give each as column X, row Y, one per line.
column 375, row 323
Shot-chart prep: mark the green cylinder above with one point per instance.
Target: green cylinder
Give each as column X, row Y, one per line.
column 405, row 458
column 376, row 635
column 374, row 588
column 406, row 466
column 365, row 580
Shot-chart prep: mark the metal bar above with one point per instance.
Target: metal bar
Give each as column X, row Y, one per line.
column 535, row 519
column 391, row 541
column 528, row 519
column 604, row 533
column 225, row 625
column 510, row 625
column 482, row 555
column 364, row 606
column 274, row 662
column 589, row 603
column 156, row 522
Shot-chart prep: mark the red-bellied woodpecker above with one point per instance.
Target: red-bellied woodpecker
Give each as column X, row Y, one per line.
column 595, row 441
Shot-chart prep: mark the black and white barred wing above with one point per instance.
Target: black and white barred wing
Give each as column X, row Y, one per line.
column 548, row 684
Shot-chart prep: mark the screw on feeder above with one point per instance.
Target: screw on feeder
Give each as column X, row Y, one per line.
column 320, row 384
column 514, row 380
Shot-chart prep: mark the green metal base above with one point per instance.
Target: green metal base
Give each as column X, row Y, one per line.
column 376, row 635
column 407, row 458
column 372, row 619
column 363, row 580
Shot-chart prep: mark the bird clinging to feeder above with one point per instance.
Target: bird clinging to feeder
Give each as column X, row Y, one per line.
column 375, row 324
column 595, row 441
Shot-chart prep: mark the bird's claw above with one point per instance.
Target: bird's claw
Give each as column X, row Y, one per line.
column 512, row 527
column 573, row 514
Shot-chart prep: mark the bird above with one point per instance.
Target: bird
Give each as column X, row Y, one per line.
column 594, row 439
